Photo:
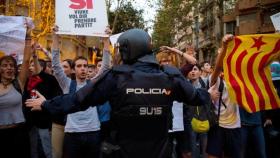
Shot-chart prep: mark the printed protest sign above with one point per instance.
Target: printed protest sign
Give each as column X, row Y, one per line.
column 81, row 17
column 12, row 36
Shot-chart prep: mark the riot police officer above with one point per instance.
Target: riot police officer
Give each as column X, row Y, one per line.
column 140, row 93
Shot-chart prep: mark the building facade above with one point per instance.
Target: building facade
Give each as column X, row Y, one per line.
column 253, row 16
column 212, row 19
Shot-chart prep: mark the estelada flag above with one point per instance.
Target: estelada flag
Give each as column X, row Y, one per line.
column 247, row 71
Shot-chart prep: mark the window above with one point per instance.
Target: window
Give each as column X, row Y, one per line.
column 230, row 28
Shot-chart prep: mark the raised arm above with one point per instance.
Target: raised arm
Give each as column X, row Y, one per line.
column 28, row 49
column 190, row 59
column 59, row 74
column 219, row 60
column 106, row 58
column 44, row 50
column 37, row 65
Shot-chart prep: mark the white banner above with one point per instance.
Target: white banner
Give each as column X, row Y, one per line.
column 12, row 35
column 276, row 21
column 81, row 17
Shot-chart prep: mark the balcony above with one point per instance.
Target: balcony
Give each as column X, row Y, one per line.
column 267, row 28
column 269, row 2
column 247, row 4
column 248, row 27
column 229, row 16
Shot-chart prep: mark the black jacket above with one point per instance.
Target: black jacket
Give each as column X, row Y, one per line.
column 137, row 108
column 49, row 88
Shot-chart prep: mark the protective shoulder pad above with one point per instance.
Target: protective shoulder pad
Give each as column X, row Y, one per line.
column 122, row 68
column 171, row 71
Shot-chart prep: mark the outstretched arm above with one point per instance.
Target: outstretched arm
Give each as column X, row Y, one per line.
column 94, row 93
column 190, row 59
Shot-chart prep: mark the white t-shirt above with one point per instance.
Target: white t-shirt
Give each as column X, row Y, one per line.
column 229, row 116
column 83, row 121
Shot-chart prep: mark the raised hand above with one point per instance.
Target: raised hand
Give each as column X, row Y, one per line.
column 226, row 39
column 55, row 43
column 106, row 40
column 55, row 29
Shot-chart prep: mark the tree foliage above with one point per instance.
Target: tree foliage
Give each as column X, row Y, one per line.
column 172, row 17
column 124, row 16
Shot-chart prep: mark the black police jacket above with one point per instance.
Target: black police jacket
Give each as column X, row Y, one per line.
column 141, row 96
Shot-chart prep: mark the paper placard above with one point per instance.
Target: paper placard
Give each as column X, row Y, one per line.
column 12, row 36
column 276, row 21
column 81, row 17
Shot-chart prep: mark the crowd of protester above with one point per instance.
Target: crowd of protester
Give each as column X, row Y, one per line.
column 35, row 134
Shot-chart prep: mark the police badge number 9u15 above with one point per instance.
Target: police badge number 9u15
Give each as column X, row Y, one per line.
column 33, row 94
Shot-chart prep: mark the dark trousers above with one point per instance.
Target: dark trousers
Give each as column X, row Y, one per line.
column 223, row 141
column 256, row 136
column 14, row 142
column 81, row 145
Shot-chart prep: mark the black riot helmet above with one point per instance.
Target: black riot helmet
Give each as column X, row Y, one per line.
column 134, row 44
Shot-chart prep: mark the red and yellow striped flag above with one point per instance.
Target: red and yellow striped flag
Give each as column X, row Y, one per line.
column 247, row 72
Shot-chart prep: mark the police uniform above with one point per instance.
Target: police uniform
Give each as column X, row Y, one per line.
column 141, row 94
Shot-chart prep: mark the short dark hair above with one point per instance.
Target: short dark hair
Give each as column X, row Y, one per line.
column 70, row 62
column 78, row 58
column 204, row 62
column 185, row 69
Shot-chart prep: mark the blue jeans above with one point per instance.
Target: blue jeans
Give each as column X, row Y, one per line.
column 44, row 135
column 255, row 132
column 81, row 145
column 199, row 144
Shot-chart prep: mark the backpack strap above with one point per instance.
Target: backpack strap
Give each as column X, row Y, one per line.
column 221, row 88
column 16, row 85
column 73, row 86
column 202, row 83
column 207, row 83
